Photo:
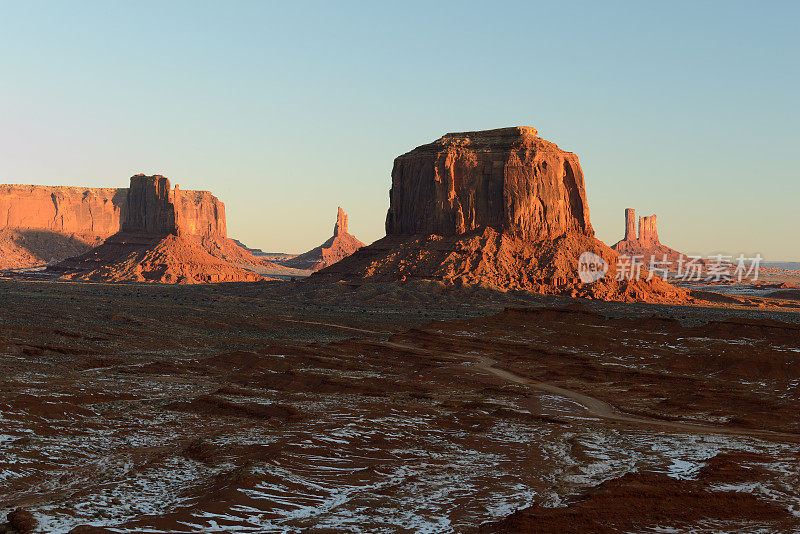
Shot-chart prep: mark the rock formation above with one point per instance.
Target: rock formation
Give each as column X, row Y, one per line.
column 499, row 208
column 508, row 179
column 67, row 210
column 43, row 224
column 338, row 247
column 163, row 241
column 152, row 206
column 647, row 244
column 630, row 224
column 648, row 231
column 340, row 228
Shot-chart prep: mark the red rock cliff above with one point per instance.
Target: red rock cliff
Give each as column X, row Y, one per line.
column 67, row 210
column 508, row 179
column 338, row 247
column 646, row 244
column 648, row 230
column 98, row 212
column 152, row 206
column 630, row 224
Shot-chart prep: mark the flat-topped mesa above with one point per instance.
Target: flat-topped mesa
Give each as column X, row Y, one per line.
column 43, row 224
column 97, row 213
column 341, row 223
column 508, row 179
column 152, row 206
column 501, row 209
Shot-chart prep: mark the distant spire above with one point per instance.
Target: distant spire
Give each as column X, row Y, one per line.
column 341, row 223
column 630, row 224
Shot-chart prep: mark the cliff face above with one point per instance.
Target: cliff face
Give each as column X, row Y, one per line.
column 42, row 224
column 67, row 210
column 508, row 179
column 202, row 214
column 648, row 230
column 341, row 223
column 100, row 212
column 152, row 206
column 630, row 224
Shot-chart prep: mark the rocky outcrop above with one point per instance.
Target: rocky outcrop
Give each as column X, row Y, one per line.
column 648, row 230
column 42, row 224
column 646, row 246
column 66, row 210
column 202, row 214
column 507, row 179
column 335, row 249
column 152, row 206
column 503, row 209
column 165, row 236
column 630, row 224
column 340, row 228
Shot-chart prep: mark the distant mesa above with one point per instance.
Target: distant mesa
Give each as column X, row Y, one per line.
column 646, row 244
column 166, row 235
column 341, row 245
column 498, row 208
column 45, row 224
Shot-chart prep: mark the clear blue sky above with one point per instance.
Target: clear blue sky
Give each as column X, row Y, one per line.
column 286, row 110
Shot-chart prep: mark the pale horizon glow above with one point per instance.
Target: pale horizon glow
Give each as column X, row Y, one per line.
column 286, row 111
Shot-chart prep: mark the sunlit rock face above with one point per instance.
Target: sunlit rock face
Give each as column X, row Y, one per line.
column 508, row 179
column 501, row 209
column 647, row 244
column 101, row 212
column 41, row 224
column 68, row 210
column 341, row 245
column 152, row 206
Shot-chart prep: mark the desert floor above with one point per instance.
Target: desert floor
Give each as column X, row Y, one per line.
column 296, row 406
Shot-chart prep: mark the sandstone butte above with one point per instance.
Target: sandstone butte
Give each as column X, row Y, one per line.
column 335, row 249
column 646, row 244
column 164, row 235
column 43, row 224
column 498, row 208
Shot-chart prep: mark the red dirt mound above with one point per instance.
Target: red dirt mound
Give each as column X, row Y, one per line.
column 500, row 261
column 167, row 259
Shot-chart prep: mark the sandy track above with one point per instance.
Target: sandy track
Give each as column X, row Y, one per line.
column 594, row 406
column 591, row 405
column 333, row 325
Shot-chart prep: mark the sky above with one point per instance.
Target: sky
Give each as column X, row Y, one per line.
column 286, row 110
